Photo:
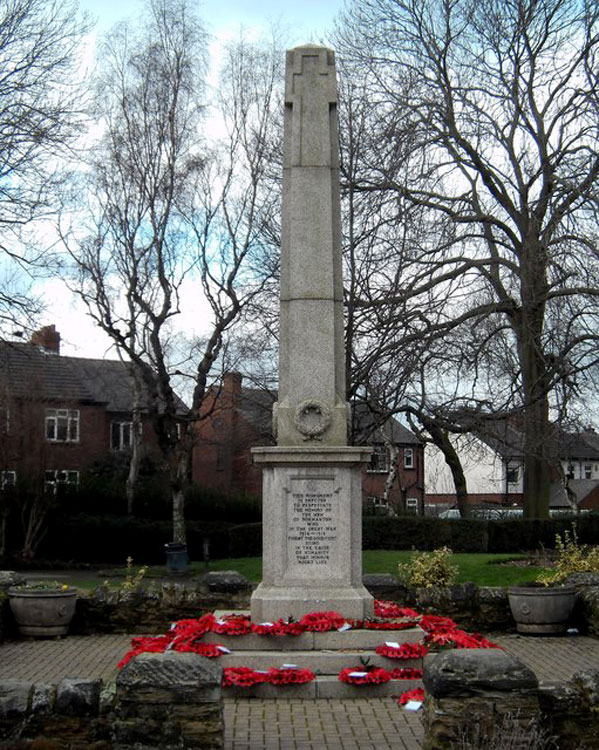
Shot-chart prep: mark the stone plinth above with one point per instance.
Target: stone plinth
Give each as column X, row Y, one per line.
column 312, row 551
column 171, row 701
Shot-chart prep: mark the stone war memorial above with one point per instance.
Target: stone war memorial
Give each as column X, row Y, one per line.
column 312, row 486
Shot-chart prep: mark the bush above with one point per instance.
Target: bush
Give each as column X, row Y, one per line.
column 428, row 569
column 424, row 533
column 111, row 539
column 571, row 558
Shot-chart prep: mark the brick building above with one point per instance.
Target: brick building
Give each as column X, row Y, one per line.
column 235, row 418
column 61, row 414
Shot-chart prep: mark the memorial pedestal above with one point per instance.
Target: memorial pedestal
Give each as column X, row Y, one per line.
column 312, row 532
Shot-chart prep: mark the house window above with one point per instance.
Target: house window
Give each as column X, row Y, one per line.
column 379, row 460
column 120, row 435
column 408, row 458
column 57, row 478
column 588, row 471
column 62, row 425
column 512, row 475
column 412, row 504
column 8, row 479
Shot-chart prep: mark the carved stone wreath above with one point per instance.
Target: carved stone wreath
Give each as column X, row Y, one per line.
column 312, row 418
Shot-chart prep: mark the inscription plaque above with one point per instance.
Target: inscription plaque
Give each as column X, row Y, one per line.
column 312, row 522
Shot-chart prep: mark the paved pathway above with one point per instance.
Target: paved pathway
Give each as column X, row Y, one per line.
column 254, row 724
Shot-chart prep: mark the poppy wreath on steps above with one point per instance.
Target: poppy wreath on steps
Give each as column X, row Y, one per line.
column 387, row 625
column 232, row 625
column 243, row 677
column 390, row 609
column 290, row 676
column 406, row 673
column 322, row 622
column 405, row 651
column 411, row 695
column 364, row 676
column 247, row 677
column 280, row 627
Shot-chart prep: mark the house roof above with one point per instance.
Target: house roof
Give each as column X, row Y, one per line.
column 508, row 442
column 582, row 488
column 32, row 371
column 255, row 405
column 369, row 428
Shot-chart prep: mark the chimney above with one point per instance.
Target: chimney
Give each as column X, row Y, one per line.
column 232, row 384
column 47, row 338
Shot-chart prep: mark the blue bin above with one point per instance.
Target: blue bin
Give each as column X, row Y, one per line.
column 176, row 557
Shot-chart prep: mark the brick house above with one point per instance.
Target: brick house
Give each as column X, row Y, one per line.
column 61, row 414
column 234, row 418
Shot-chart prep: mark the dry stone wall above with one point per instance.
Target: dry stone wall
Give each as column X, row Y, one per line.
column 159, row 701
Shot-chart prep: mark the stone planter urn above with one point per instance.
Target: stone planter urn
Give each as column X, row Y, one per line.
column 541, row 610
column 42, row 612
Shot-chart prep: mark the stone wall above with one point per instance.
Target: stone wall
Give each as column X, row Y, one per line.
column 151, row 610
column 163, row 701
column 494, row 700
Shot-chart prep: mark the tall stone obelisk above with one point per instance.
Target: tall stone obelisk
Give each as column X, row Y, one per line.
column 312, row 481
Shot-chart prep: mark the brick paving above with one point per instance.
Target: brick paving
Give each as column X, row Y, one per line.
column 253, row 724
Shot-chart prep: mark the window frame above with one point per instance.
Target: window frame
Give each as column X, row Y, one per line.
column 379, row 450
column 121, row 424
column 52, row 484
column 54, row 425
column 408, row 458
column 4, row 482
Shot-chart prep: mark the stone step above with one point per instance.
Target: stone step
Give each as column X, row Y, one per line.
column 358, row 639
column 320, row 662
column 324, row 686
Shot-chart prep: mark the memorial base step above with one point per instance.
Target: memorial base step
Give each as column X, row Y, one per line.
column 323, row 687
column 326, row 654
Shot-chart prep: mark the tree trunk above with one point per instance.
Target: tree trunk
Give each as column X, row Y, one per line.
column 537, row 429
column 179, row 467
column 136, row 437
column 393, row 451
column 179, row 516
column 441, row 440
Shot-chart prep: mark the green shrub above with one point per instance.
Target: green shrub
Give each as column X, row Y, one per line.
column 571, row 557
column 428, row 569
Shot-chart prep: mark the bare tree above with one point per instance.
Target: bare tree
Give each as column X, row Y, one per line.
column 166, row 209
column 40, row 118
column 488, row 119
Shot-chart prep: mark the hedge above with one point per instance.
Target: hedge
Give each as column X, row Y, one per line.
column 461, row 535
column 112, row 539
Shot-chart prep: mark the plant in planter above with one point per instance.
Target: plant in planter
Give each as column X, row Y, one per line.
column 43, row 608
column 544, row 607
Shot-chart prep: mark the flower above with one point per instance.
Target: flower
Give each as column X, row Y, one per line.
column 322, row 622
column 405, row 651
column 411, row 695
column 364, row 675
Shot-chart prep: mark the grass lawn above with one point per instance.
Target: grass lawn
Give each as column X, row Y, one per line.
column 479, row 568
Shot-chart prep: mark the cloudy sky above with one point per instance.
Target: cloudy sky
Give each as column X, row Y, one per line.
column 305, row 21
